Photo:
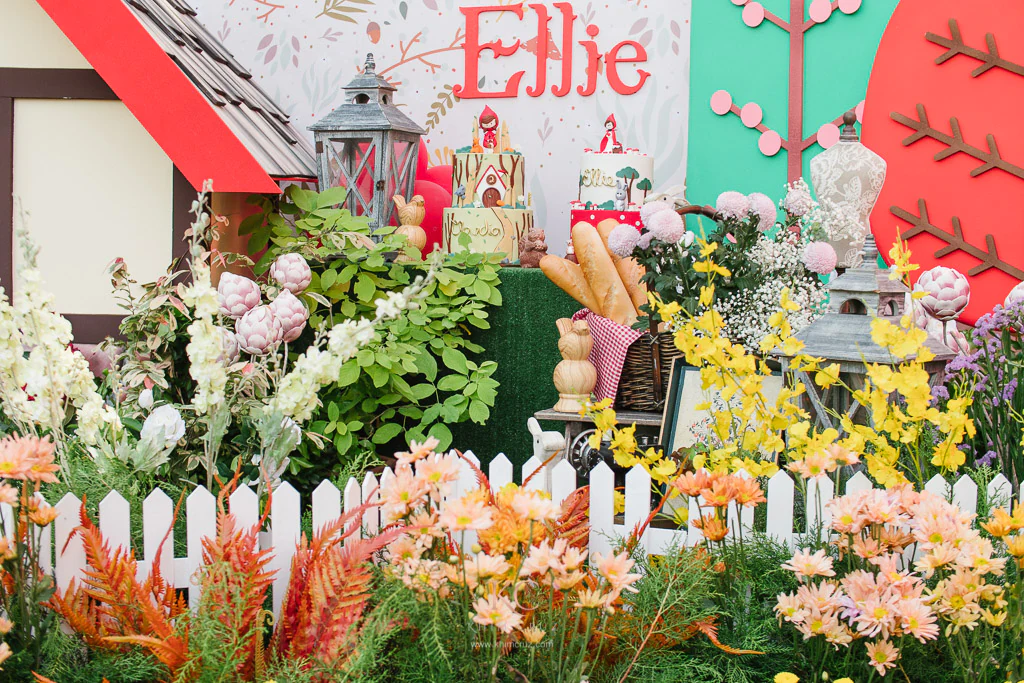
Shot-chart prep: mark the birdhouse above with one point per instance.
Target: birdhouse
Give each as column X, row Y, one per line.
column 368, row 146
column 843, row 336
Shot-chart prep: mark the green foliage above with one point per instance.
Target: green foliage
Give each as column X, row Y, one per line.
column 419, row 376
column 67, row 659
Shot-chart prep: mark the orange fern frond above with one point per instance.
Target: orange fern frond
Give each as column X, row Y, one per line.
column 710, row 629
column 481, row 479
column 171, row 652
column 543, row 465
column 328, row 590
column 574, row 523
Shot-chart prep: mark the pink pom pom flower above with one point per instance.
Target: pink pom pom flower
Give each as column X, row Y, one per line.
column 732, row 205
column 237, row 295
column 947, row 292
column 292, row 314
column 258, row 331
column 764, row 208
column 820, row 258
column 667, row 226
column 651, row 208
column 623, row 240
column 291, row 272
column 798, row 200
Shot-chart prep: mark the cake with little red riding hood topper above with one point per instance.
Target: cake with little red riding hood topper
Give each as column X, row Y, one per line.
column 614, row 181
column 490, row 209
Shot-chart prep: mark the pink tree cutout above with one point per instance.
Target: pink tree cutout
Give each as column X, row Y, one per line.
column 751, row 114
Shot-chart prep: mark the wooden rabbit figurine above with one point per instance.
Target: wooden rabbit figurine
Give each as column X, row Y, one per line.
column 411, row 215
column 575, row 377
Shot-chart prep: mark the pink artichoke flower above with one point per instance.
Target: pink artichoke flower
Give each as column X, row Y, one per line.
column 1015, row 296
column 291, row 272
column 957, row 340
column 292, row 314
column 947, row 292
column 258, row 331
column 237, row 295
column 926, row 322
column 230, row 346
column 820, row 258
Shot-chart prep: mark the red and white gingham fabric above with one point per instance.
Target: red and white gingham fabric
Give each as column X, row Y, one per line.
column 611, row 342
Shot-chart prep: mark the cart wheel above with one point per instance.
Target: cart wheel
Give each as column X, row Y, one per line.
column 581, row 456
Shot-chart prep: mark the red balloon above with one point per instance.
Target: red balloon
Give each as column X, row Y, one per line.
column 422, row 161
column 442, row 175
column 436, row 199
column 938, row 126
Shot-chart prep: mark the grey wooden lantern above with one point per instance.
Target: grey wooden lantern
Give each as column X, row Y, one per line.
column 368, row 146
column 843, row 335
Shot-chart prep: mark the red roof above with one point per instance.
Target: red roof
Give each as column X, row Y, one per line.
column 187, row 91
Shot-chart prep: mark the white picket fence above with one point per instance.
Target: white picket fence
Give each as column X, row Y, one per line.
column 327, row 504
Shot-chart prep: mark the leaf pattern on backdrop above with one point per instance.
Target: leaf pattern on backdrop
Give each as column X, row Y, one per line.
column 342, row 10
column 439, row 108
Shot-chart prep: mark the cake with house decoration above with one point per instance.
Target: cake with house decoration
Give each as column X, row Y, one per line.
column 490, row 209
column 614, row 181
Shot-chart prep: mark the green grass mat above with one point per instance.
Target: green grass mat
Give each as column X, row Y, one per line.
column 523, row 340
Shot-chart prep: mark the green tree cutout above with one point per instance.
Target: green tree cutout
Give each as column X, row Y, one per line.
column 630, row 175
column 645, row 185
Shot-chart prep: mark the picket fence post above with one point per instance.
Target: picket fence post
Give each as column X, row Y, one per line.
column 66, row 558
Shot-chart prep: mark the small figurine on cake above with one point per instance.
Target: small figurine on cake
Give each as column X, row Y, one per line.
column 611, row 143
column 489, row 125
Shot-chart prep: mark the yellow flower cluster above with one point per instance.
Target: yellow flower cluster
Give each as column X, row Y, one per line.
column 746, row 431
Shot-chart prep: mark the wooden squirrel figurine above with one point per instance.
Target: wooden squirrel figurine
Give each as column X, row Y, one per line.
column 411, row 215
column 575, row 377
column 532, row 248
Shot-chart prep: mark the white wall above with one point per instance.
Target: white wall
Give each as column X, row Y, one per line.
column 96, row 187
column 29, row 39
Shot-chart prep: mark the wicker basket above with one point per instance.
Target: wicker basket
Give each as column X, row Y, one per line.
column 637, row 390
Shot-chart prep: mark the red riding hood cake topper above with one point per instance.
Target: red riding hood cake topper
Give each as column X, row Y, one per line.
column 610, row 142
column 489, row 127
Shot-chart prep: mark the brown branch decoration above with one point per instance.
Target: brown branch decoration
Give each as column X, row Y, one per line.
column 989, row 58
column 955, row 241
column 955, row 143
column 271, row 7
column 406, row 58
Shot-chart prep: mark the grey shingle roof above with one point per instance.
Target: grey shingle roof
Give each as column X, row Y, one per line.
column 258, row 122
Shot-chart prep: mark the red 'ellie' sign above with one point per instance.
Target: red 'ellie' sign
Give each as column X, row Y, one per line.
column 943, row 109
column 612, row 59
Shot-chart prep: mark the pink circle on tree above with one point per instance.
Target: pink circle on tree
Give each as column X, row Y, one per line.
column 849, row 6
column 769, row 143
column 721, row 102
column 739, row 2
column 821, row 10
column 860, row 111
column 828, row 135
column 753, row 14
column 751, row 114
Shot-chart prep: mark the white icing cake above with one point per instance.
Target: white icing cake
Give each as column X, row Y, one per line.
column 606, row 178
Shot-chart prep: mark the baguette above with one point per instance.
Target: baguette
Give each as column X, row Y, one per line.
column 630, row 271
column 604, row 228
column 601, row 275
column 569, row 277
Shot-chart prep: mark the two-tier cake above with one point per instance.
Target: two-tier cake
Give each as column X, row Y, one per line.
column 490, row 206
column 614, row 182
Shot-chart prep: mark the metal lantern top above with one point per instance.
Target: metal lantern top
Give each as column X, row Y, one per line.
column 858, row 296
column 369, row 106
